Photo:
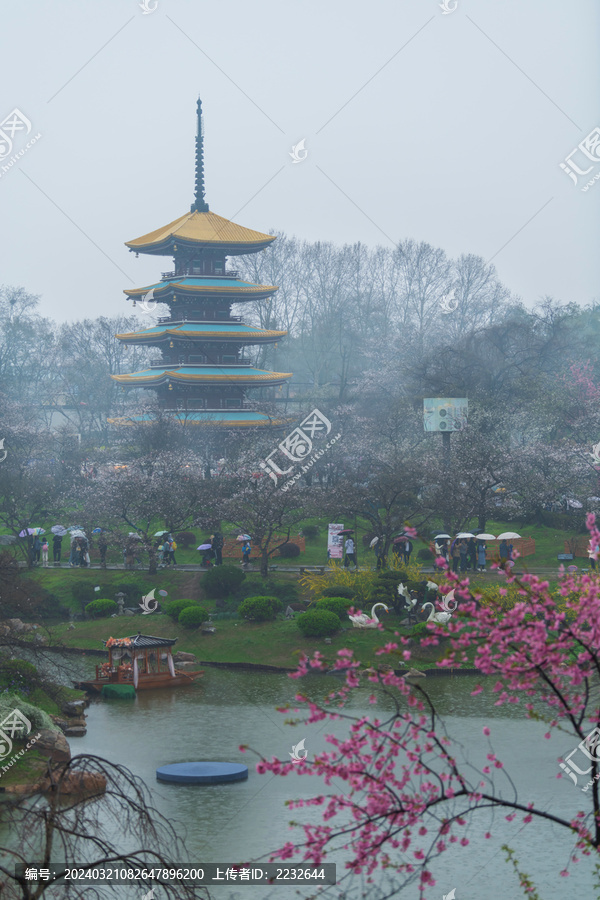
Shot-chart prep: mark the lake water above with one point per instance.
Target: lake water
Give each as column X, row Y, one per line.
column 227, row 823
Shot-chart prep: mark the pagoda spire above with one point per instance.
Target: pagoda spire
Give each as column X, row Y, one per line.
column 199, row 204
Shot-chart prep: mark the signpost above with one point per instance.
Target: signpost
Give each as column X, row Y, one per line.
column 445, row 414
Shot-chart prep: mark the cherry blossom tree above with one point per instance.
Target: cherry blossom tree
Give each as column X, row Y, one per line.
column 400, row 796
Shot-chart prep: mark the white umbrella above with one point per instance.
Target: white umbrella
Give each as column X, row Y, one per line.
column 160, row 533
column 447, row 536
column 485, row 537
column 59, row 530
column 508, row 536
column 76, row 533
column 465, row 534
column 373, row 542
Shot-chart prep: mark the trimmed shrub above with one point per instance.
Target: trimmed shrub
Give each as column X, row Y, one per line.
column 222, row 580
column 338, row 590
column 97, row 609
column 261, row 609
column 192, row 616
column 185, row 539
column 337, row 605
column 175, row 607
column 289, row 550
column 318, row 623
column 310, row 532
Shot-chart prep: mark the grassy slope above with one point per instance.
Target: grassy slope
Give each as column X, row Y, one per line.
column 276, row 643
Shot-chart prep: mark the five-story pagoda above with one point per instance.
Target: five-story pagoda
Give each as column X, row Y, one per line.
column 202, row 374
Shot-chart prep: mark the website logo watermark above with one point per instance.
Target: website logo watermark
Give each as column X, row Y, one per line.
column 589, row 747
column 14, row 725
column 4, row 452
column 297, row 150
column 299, row 753
column 448, row 303
column 298, row 446
column 447, row 8
column 15, row 125
column 146, row 8
column 589, row 151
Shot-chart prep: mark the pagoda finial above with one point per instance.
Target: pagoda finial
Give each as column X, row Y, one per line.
column 199, row 204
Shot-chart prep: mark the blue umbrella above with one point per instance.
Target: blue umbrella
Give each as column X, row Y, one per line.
column 96, row 531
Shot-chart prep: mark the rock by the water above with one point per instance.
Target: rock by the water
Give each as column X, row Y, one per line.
column 75, row 730
column 74, row 707
column 54, row 745
column 414, row 673
column 180, row 656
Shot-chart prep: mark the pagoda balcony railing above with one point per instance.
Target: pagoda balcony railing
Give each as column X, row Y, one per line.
column 162, row 320
column 161, row 363
column 196, row 273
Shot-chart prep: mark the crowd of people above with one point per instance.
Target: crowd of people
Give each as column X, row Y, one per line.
column 469, row 553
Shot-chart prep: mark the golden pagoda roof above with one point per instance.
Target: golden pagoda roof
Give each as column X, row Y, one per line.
column 204, row 229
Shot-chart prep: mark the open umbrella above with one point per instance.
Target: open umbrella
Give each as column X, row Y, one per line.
column 204, row 547
column 160, row 533
column 60, row 530
column 373, row 542
column 97, row 531
column 346, row 531
column 243, row 537
column 75, row 528
column 399, row 540
column 446, row 536
column 134, row 534
column 77, row 533
column 465, row 534
column 485, row 537
column 25, row 532
column 163, row 593
column 508, row 536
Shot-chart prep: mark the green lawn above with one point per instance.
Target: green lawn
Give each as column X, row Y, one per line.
column 277, row 643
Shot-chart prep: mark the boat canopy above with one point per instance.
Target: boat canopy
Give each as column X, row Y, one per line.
column 138, row 642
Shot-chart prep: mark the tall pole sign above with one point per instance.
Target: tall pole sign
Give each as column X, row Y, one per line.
column 445, row 414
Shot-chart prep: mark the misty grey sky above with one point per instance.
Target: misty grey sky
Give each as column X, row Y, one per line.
column 443, row 128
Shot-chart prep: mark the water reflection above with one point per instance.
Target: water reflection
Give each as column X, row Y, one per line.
column 209, row 719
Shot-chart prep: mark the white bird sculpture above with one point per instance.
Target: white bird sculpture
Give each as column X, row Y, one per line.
column 432, row 586
column 363, row 620
column 440, row 618
column 404, row 592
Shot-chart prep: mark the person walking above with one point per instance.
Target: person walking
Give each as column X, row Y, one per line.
column 481, row 556
column 407, row 549
column 56, row 549
column 246, row 550
column 455, row 556
column 217, row 546
column 593, row 550
column 37, row 549
column 463, row 550
column 503, row 552
column 350, row 553
column 472, row 554
column 45, row 554
column 102, row 547
column 172, row 549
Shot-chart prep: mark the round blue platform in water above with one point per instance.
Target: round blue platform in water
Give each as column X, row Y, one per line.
column 202, row 772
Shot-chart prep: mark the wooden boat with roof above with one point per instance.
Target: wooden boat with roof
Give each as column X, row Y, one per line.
column 141, row 660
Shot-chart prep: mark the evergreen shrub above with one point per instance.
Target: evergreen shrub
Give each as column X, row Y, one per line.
column 337, row 605
column 100, row 608
column 318, row 623
column 260, row 609
column 222, row 580
column 193, row 616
